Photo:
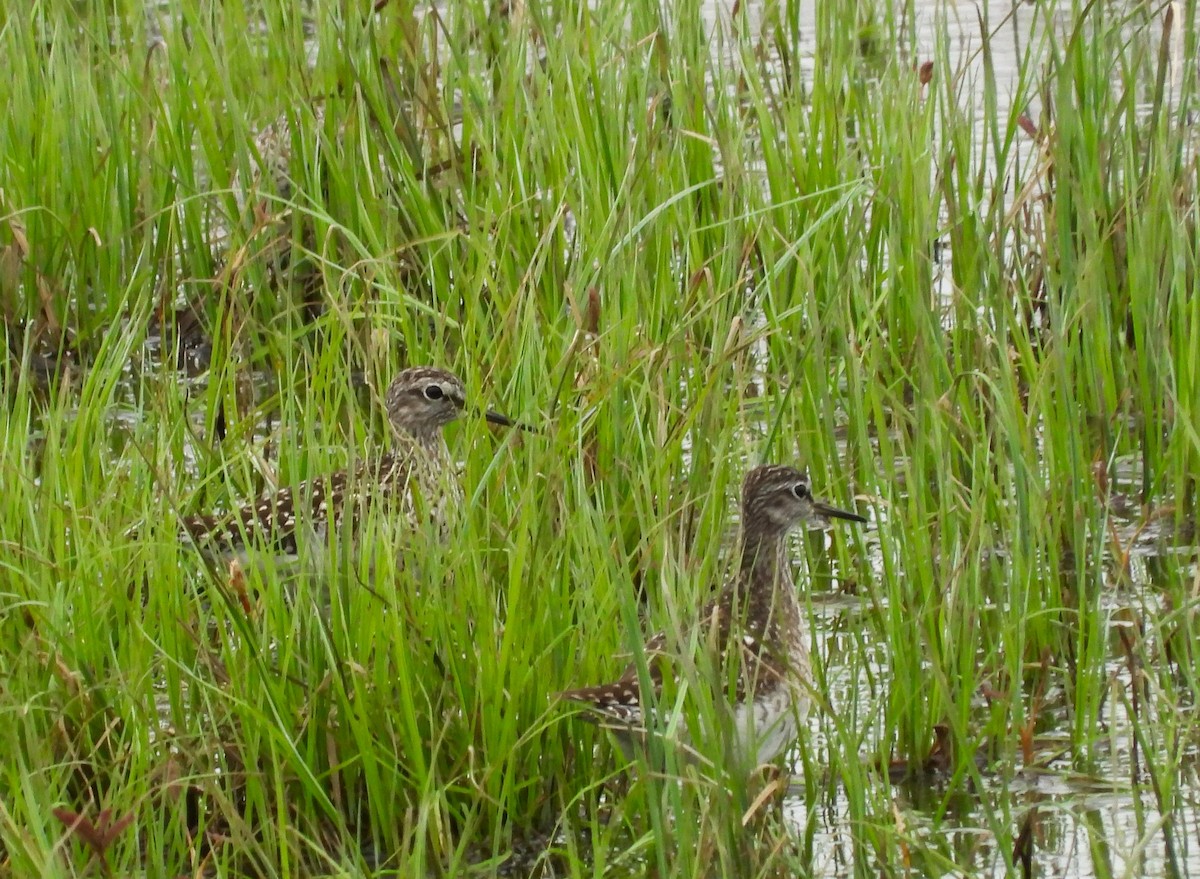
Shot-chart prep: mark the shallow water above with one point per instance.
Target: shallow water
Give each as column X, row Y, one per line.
column 1088, row 824
column 1085, row 825
column 1102, row 822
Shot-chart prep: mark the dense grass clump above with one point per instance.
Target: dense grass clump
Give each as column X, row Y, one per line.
column 949, row 265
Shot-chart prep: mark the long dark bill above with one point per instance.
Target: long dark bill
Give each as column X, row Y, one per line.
column 834, row 513
column 494, row 417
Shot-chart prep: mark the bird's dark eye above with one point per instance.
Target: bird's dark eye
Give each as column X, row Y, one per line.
column 434, row 392
column 800, row 490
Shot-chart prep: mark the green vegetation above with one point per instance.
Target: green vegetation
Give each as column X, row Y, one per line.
column 964, row 294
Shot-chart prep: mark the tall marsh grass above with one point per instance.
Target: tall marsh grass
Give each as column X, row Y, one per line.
column 957, row 282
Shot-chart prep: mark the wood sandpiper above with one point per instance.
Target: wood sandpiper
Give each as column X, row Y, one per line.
column 416, row 480
column 755, row 622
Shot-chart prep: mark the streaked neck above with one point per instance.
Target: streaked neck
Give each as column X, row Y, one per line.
column 763, row 547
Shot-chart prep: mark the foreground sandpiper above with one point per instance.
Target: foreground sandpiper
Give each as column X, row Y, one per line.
column 416, row 480
column 755, row 622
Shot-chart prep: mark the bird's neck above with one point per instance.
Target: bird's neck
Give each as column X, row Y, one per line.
column 763, row 549
column 429, row 443
column 764, row 589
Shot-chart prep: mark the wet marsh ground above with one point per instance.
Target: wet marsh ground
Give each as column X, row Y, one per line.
column 944, row 257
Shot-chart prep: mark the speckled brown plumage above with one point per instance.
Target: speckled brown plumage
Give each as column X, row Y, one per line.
column 414, row 481
column 755, row 622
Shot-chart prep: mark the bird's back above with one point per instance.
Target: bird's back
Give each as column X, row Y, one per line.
column 323, row 506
